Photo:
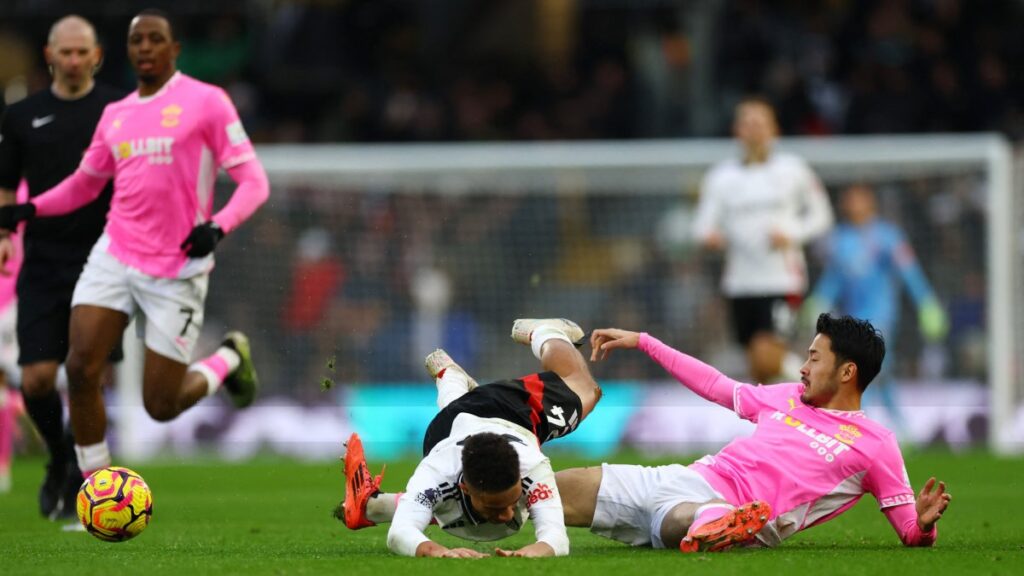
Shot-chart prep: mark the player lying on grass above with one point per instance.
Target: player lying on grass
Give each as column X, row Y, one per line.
column 812, row 456
column 482, row 470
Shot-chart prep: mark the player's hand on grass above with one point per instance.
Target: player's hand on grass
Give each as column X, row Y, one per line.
column 604, row 340
column 463, row 553
column 7, row 251
column 535, row 550
column 931, row 504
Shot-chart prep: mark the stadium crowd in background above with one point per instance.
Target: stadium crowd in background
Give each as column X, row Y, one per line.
column 376, row 70
column 621, row 72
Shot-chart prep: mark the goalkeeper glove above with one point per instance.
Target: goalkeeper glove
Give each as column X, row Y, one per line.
column 932, row 320
column 202, row 240
column 12, row 214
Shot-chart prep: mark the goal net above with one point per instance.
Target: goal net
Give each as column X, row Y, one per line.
column 366, row 258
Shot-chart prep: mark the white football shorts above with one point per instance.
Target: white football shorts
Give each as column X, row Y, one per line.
column 633, row 501
column 169, row 310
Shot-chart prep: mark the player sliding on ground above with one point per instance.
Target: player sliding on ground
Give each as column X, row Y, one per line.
column 482, row 469
column 811, row 457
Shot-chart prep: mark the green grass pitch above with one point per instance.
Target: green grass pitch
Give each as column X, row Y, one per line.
column 274, row 517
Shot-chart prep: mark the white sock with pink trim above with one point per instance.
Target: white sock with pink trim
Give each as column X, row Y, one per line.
column 216, row 367
column 709, row 513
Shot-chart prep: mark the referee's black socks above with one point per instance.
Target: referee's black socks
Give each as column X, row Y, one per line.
column 47, row 413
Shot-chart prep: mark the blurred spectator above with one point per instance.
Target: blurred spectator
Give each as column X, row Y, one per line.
column 317, row 275
column 391, row 70
column 439, row 322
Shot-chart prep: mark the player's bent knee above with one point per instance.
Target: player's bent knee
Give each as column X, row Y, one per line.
column 160, row 410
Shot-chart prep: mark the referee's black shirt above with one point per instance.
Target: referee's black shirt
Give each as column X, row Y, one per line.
column 42, row 139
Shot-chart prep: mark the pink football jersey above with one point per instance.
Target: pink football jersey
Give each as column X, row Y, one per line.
column 163, row 152
column 810, row 464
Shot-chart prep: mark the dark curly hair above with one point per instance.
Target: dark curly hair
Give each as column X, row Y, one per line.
column 489, row 463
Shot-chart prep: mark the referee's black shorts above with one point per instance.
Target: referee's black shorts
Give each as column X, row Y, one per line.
column 44, row 291
column 541, row 403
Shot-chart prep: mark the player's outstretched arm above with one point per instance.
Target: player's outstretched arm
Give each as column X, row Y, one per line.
column 703, row 379
column 604, row 340
column 75, row 191
column 931, row 504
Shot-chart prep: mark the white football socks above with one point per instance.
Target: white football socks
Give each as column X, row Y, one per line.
column 541, row 335
column 381, row 507
column 92, row 457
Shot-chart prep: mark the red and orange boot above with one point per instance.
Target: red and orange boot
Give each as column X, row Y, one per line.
column 360, row 485
column 737, row 526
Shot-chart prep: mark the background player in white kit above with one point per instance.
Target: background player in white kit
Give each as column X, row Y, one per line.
column 483, row 470
column 162, row 145
column 761, row 209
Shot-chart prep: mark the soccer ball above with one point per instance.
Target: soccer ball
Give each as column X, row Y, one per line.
column 115, row 504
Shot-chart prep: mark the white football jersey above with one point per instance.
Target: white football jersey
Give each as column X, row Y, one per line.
column 433, row 492
column 745, row 204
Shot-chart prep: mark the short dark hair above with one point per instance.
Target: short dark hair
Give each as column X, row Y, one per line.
column 158, row 13
column 489, row 462
column 756, row 99
column 855, row 341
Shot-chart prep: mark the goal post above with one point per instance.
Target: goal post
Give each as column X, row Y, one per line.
column 598, row 231
column 657, row 166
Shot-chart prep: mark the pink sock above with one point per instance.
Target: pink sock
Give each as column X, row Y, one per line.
column 215, row 369
column 709, row 513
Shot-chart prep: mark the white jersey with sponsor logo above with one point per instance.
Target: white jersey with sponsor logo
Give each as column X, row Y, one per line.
column 746, row 203
column 433, row 492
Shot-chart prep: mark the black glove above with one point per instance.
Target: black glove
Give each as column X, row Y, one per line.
column 202, row 240
column 11, row 214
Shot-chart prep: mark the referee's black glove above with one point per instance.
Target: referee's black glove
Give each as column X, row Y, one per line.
column 11, row 214
column 202, row 240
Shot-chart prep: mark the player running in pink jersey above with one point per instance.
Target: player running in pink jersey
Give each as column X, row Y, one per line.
column 812, row 456
column 162, row 145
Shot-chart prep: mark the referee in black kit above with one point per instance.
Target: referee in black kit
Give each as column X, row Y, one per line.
column 42, row 139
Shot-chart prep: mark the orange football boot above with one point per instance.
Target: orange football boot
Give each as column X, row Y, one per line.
column 735, row 527
column 360, row 485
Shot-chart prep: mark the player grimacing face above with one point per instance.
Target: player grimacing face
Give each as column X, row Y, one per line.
column 152, row 49
column 820, row 374
column 495, row 507
column 73, row 55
